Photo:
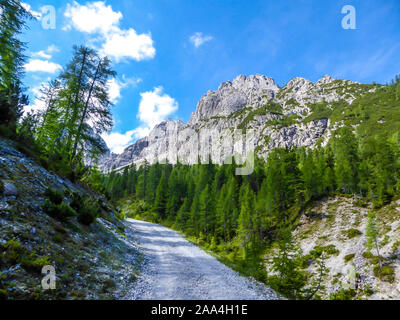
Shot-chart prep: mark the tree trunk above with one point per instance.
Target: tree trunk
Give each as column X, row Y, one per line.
column 78, row 134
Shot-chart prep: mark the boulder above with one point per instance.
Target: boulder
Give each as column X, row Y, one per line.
column 10, row 190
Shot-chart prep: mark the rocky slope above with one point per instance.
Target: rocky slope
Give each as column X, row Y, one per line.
column 336, row 227
column 280, row 117
column 98, row 261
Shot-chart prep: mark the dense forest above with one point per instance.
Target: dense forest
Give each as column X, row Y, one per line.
column 239, row 217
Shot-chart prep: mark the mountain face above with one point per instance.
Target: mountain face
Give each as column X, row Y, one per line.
column 294, row 115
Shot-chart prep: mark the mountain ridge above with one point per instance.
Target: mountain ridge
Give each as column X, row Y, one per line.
column 256, row 102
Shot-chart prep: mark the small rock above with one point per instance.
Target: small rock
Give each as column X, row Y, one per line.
column 3, row 205
column 10, row 189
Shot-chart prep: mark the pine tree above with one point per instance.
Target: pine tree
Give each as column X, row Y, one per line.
column 12, row 99
column 160, row 203
column 372, row 234
column 206, row 211
column 246, row 231
column 290, row 280
column 346, row 160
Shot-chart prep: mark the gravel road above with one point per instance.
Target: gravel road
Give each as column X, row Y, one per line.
column 175, row 269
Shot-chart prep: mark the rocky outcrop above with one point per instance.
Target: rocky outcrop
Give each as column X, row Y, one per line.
column 276, row 116
column 253, row 91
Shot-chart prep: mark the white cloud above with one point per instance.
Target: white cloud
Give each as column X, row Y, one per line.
column 129, row 44
column 46, row 54
column 155, row 106
column 114, row 90
column 28, row 8
column 117, row 142
column 52, row 48
column 198, row 39
column 42, row 54
column 94, row 17
column 115, row 86
column 37, row 65
column 98, row 19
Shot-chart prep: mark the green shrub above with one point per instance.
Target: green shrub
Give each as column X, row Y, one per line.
column 14, row 253
column 352, row 233
column 329, row 250
column 58, row 211
column 89, row 212
column 386, row 273
column 372, row 259
column 349, row 257
column 33, row 262
column 361, row 204
column 77, row 202
column 368, row 290
column 343, row 294
column 55, row 196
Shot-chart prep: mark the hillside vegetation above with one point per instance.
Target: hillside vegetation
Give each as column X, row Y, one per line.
column 245, row 218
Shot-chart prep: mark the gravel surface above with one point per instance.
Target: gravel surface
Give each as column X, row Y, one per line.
column 176, row 269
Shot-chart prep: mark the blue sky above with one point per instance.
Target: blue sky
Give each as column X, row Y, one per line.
column 168, row 53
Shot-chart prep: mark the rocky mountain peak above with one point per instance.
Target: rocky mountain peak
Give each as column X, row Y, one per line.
column 243, row 103
column 252, row 91
column 298, row 83
column 325, row 79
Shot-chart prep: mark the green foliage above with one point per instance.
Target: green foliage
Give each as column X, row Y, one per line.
column 368, row 291
column 12, row 99
column 319, row 250
column 290, row 279
column 85, row 210
column 349, row 257
column 95, row 180
column 89, row 212
column 14, row 252
column 319, row 111
column 270, row 107
column 352, row 233
column 77, row 106
column 77, row 202
column 343, row 294
column 60, row 211
column 284, row 121
column 372, row 259
column 1, row 187
column 361, row 204
column 385, row 273
column 54, row 196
